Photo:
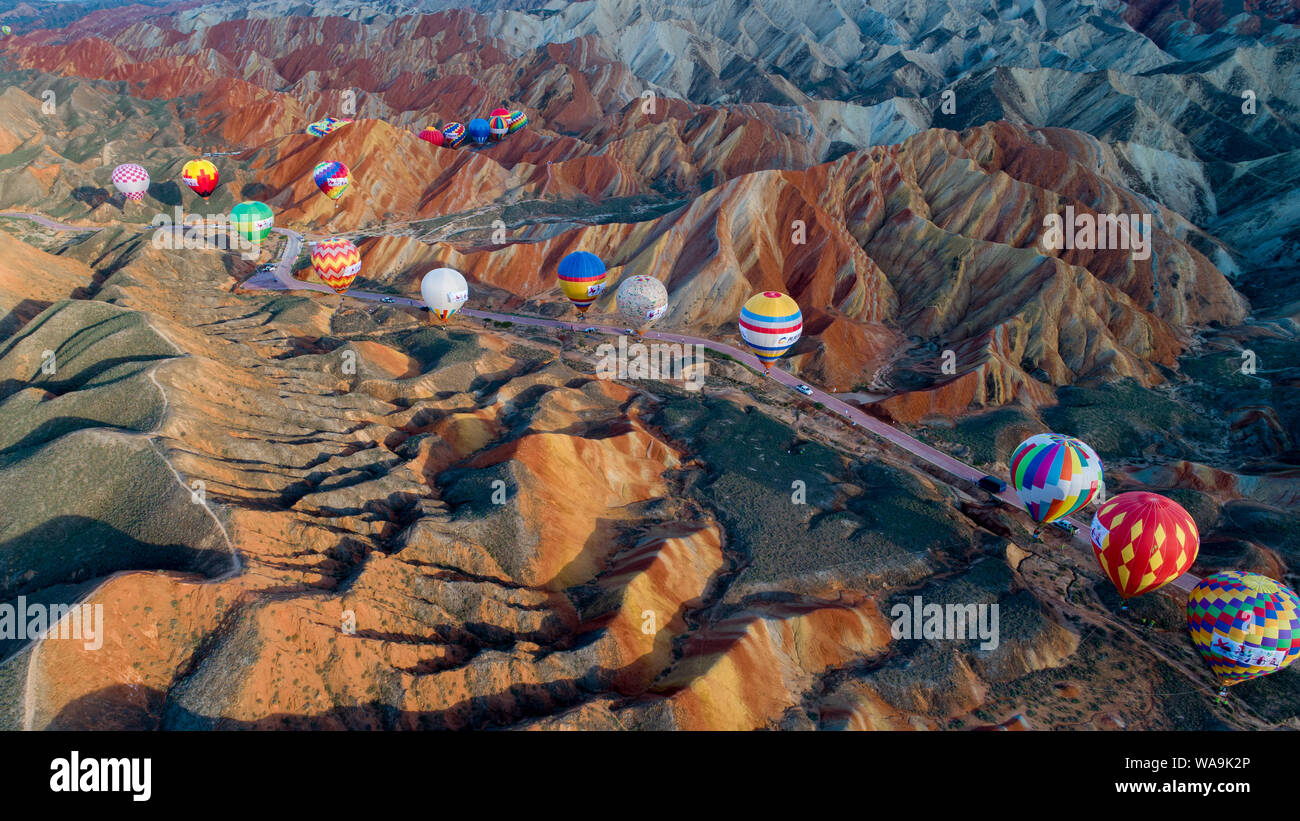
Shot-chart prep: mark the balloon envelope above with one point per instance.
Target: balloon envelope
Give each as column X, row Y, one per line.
column 499, row 112
column 478, row 130
column 582, row 279
column 453, row 135
column 642, row 300
column 432, row 135
column 332, row 178
column 518, row 120
column 253, row 220
column 1143, row 541
column 1054, row 475
column 201, row 176
column 322, row 127
column 132, row 180
column 1245, row 625
column 498, row 125
column 770, row 323
column 444, row 291
column 337, row 262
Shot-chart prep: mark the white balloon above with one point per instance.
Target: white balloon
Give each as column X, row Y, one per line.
column 444, row 291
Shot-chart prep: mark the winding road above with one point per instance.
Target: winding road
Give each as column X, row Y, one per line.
column 280, row 278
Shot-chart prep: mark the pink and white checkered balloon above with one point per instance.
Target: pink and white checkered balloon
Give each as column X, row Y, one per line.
column 132, row 180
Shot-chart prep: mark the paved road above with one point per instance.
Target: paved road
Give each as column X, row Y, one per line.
column 281, row 279
column 48, row 223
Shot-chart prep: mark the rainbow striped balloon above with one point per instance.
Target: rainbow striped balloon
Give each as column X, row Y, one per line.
column 518, row 120
column 1245, row 625
column 1055, row 475
column 337, row 263
column 498, row 126
column 332, row 178
column 770, row 323
column 582, row 279
column 1143, row 541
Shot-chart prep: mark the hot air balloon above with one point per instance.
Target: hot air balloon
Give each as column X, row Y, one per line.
column 253, row 220
column 498, row 126
column 582, row 279
column 1054, row 475
column 444, row 291
column 1143, row 541
column 1245, row 625
column 201, row 176
column 322, row 127
column 478, row 130
column 641, row 301
column 518, row 120
column 336, row 262
column 132, row 180
column 770, row 323
column 453, row 135
column 331, row 178
column 5, row 30
column 499, row 112
column 432, row 135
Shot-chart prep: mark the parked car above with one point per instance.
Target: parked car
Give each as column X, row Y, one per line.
column 628, row 331
column 588, row 330
column 992, row 484
column 1068, row 527
column 387, row 299
column 804, row 389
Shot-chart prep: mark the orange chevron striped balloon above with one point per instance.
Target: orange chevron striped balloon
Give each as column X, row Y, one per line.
column 337, row 263
column 1143, row 541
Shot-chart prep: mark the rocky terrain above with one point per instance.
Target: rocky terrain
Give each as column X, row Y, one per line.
column 305, row 514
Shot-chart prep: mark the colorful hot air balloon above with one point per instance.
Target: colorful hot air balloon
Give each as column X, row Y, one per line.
column 5, row 30
column 444, row 291
column 336, row 262
column 499, row 112
column 453, row 135
column 641, row 301
column 1245, row 625
column 201, row 176
column 518, row 120
column 770, row 323
column 322, row 127
column 1143, row 541
column 582, row 279
column 132, row 180
column 432, row 135
column 331, row 178
column 478, row 130
column 253, row 220
column 1054, row 475
column 498, row 126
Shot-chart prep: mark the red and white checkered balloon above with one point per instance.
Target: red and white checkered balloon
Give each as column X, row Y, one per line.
column 132, row 180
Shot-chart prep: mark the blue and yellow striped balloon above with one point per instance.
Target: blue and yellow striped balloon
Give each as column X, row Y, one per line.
column 770, row 323
column 582, row 279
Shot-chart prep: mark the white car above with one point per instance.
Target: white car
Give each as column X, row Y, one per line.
column 386, row 299
column 804, row 389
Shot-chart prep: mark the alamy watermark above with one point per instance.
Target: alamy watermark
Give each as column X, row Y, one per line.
column 948, row 622
column 199, row 232
column 654, row 360
column 1099, row 232
column 29, row 622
